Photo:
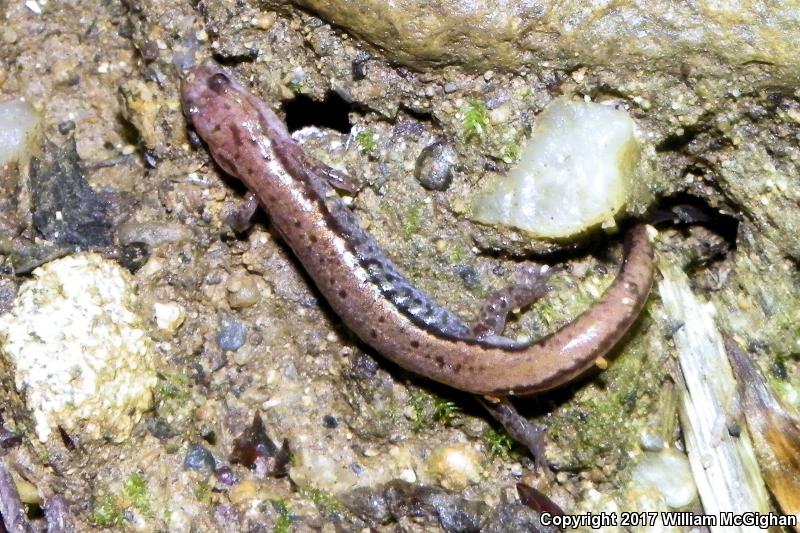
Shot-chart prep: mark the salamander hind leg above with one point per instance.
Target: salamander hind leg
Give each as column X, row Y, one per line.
column 531, row 284
column 529, row 435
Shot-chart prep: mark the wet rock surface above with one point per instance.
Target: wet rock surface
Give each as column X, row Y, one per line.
column 720, row 128
column 511, row 35
column 65, row 208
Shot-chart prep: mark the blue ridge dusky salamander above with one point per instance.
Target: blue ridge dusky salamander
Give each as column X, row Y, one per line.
column 365, row 288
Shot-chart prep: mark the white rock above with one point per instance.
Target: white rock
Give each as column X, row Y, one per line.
column 79, row 351
column 669, row 473
column 19, row 126
column 573, row 173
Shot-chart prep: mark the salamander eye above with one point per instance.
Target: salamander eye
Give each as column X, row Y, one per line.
column 218, row 82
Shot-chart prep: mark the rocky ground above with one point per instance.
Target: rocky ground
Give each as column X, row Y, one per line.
column 238, row 330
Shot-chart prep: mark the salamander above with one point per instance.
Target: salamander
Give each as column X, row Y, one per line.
column 365, row 288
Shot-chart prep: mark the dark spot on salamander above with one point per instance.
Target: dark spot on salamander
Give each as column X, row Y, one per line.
column 373, row 334
column 381, row 319
column 343, row 294
column 457, row 368
column 312, row 238
column 236, row 133
column 415, row 344
column 217, row 127
column 297, row 223
column 333, row 281
column 218, row 82
column 440, row 360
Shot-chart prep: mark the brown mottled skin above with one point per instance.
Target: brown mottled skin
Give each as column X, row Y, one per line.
column 364, row 287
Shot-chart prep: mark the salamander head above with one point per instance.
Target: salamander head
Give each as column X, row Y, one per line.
column 220, row 109
column 204, row 82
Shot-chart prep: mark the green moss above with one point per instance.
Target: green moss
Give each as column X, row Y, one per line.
column 284, row 522
column 385, row 421
column 547, row 313
column 476, row 117
column 44, row 456
column 297, row 87
column 203, row 492
column 173, row 386
column 135, row 489
column 108, row 508
column 324, row 501
column 413, row 220
column 426, row 407
column 510, row 153
column 366, row 140
column 605, row 419
column 445, row 410
column 499, row 443
column 457, row 255
column 106, row 512
column 418, row 408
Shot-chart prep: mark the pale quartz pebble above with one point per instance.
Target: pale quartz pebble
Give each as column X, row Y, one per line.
column 169, row 316
column 78, row 350
column 19, row 127
column 28, row 493
column 454, row 466
column 669, row 473
column 574, row 173
column 314, row 468
column 242, row 291
column 152, row 234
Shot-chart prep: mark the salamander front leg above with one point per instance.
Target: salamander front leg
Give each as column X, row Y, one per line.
column 239, row 217
column 531, row 284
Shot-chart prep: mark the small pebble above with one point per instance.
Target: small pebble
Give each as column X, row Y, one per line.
column 359, row 66
column 159, row 428
column 153, row 233
column 242, row 492
column 264, row 21
column 199, row 458
column 19, row 126
column 28, row 493
column 669, row 473
column 242, row 291
column 169, row 316
column 232, row 334
column 651, row 442
column 9, row 36
column 330, row 422
column 455, row 466
column 66, row 127
column 434, row 168
column 450, row 87
column 226, row 476
column 470, row 276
